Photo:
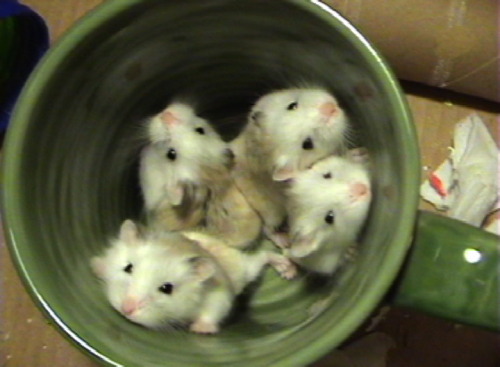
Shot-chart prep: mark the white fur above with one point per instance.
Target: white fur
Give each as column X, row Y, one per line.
column 270, row 148
column 315, row 244
column 169, row 183
column 205, row 273
column 200, row 175
column 284, row 131
column 155, row 261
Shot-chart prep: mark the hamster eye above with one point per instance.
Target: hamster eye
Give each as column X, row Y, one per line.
column 172, row 154
column 330, row 217
column 166, row 288
column 327, row 175
column 308, row 144
column 292, row 106
column 200, row 130
column 128, row 268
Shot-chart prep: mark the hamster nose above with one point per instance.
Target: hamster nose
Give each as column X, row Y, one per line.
column 129, row 306
column 359, row 189
column 328, row 109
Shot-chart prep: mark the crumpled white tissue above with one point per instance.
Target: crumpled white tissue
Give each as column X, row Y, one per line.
column 467, row 183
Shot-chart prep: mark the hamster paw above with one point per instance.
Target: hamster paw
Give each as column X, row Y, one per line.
column 283, row 265
column 280, row 239
column 299, row 250
column 204, row 327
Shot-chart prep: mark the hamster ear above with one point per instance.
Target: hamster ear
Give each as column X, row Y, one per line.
column 128, row 231
column 228, row 152
column 284, row 170
column 98, row 266
column 203, row 267
column 175, row 193
column 169, row 118
column 229, row 155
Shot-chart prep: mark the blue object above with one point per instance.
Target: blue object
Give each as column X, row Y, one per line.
column 24, row 38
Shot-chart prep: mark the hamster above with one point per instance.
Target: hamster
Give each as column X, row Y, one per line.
column 160, row 278
column 297, row 127
column 287, row 131
column 328, row 205
column 184, row 151
column 160, row 210
column 267, row 198
column 229, row 215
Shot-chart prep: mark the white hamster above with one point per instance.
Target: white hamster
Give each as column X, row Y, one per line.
column 161, row 278
column 183, row 152
column 287, row 131
column 297, row 127
column 328, row 205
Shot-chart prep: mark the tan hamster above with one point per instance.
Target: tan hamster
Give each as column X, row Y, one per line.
column 287, row 131
column 229, row 215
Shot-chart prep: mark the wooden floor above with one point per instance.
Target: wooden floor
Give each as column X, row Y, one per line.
column 27, row 340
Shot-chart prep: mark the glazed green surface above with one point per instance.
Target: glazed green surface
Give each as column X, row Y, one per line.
column 71, row 166
column 441, row 281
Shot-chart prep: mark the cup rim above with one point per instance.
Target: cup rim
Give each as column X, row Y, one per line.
column 12, row 164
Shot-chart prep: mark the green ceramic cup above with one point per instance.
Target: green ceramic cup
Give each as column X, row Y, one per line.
column 70, row 177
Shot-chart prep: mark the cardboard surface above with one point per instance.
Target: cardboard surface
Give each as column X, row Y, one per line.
column 450, row 44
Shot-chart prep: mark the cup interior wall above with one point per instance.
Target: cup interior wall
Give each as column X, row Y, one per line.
column 80, row 154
